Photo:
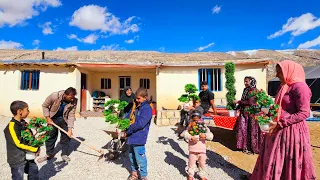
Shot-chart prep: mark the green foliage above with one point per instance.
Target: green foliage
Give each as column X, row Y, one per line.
column 261, row 99
column 39, row 125
column 230, row 81
column 191, row 90
column 114, row 113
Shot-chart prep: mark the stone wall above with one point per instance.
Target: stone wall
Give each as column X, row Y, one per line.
column 167, row 117
column 172, row 117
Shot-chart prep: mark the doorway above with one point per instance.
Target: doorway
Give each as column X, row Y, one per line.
column 83, row 92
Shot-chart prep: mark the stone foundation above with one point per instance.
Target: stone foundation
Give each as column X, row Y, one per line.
column 168, row 117
column 172, row 117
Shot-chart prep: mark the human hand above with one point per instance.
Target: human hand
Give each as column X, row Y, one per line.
column 38, row 152
column 49, row 120
column 202, row 136
column 69, row 133
column 190, row 108
column 194, row 139
column 235, row 102
column 273, row 127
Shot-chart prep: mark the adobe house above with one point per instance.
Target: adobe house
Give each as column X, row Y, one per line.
column 31, row 75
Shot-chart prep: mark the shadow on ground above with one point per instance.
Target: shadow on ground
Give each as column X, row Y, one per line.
column 214, row 160
column 52, row 166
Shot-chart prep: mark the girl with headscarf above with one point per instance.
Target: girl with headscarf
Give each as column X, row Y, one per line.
column 249, row 135
column 286, row 150
column 129, row 97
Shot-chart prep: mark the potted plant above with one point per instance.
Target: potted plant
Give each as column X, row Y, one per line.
column 190, row 96
column 197, row 129
column 230, row 81
column 262, row 100
column 114, row 112
column 35, row 134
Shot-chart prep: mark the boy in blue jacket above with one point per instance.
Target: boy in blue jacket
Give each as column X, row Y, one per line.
column 137, row 135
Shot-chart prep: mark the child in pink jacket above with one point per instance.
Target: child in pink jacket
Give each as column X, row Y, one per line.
column 197, row 148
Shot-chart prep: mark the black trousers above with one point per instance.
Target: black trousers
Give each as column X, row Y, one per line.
column 29, row 168
column 184, row 118
column 53, row 136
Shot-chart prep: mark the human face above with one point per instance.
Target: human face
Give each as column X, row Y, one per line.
column 129, row 92
column 247, row 82
column 24, row 112
column 195, row 118
column 196, row 104
column 204, row 87
column 141, row 99
column 280, row 74
column 68, row 98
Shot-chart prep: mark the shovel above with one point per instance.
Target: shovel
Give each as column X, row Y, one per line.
column 77, row 139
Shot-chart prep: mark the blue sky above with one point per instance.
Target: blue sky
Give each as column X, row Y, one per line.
column 167, row 25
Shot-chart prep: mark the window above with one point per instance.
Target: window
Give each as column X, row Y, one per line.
column 213, row 77
column 105, row 83
column 125, row 81
column 145, row 83
column 30, row 80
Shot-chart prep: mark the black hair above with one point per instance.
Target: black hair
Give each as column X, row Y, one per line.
column 17, row 105
column 196, row 113
column 142, row 92
column 204, row 83
column 70, row 90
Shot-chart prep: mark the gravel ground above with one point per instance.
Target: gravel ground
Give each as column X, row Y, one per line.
column 167, row 157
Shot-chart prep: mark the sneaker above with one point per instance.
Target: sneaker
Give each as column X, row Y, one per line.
column 65, row 158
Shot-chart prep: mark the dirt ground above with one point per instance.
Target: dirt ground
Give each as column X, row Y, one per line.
column 224, row 144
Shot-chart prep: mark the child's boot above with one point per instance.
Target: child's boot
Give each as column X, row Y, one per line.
column 190, row 178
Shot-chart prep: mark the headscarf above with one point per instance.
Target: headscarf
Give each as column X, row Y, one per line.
column 253, row 84
column 125, row 97
column 292, row 73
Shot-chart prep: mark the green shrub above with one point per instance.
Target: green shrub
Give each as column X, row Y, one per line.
column 190, row 90
column 230, row 84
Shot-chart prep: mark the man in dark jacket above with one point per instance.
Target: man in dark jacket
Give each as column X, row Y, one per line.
column 137, row 135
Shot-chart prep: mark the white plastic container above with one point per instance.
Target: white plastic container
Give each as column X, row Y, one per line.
column 232, row 113
column 264, row 127
column 30, row 155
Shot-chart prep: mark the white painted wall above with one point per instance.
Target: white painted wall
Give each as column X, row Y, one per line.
column 51, row 79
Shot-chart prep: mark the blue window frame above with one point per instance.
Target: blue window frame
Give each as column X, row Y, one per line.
column 30, row 80
column 212, row 76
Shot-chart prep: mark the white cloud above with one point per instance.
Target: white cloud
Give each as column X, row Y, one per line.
column 298, row 25
column 216, row 9
column 10, row 45
column 46, row 29
column 162, row 49
column 93, row 18
column 204, row 47
column 90, row 39
column 291, row 40
column 36, row 43
column 131, row 41
column 14, row 12
column 111, row 47
column 309, row 44
column 72, row 48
